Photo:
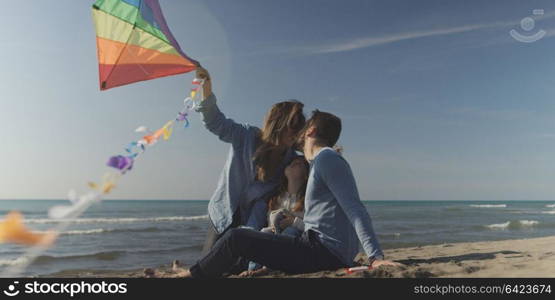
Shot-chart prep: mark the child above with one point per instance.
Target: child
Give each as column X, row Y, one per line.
column 286, row 208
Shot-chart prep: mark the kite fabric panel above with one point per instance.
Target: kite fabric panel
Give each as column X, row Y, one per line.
column 134, row 43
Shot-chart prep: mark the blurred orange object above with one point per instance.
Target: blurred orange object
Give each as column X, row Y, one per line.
column 12, row 230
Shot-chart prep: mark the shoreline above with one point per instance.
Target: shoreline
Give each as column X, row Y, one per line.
column 520, row 258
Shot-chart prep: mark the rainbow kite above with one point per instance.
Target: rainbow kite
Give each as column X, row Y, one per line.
column 134, row 43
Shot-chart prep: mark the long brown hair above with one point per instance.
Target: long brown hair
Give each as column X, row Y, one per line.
column 282, row 188
column 269, row 153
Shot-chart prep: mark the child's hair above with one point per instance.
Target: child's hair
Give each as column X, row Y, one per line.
column 281, row 117
column 282, row 188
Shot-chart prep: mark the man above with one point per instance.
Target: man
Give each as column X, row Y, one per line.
column 335, row 219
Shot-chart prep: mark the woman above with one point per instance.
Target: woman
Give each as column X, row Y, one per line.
column 255, row 163
column 286, row 207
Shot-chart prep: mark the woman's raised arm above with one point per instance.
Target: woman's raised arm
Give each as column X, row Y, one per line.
column 214, row 120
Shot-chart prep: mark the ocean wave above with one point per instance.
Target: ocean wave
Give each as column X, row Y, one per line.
column 550, row 205
column 514, row 224
column 524, row 212
column 13, row 262
column 82, row 232
column 107, row 255
column 118, row 220
column 489, row 205
column 104, row 230
column 532, row 212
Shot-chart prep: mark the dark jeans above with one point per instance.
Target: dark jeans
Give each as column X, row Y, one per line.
column 212, row 236
column 293, row 255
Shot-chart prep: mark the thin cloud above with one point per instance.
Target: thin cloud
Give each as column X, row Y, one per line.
column 368, row 42
column 495, row 114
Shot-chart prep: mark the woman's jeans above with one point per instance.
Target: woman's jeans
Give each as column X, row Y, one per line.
column 290, row 231
column 294, row 255
column 256, row 220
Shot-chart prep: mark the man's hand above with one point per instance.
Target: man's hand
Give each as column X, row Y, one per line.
column 203, row 74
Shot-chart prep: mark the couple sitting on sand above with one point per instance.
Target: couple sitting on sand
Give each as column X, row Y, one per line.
column 270, row 209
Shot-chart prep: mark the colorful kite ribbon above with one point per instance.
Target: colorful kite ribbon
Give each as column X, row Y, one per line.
column 125, row 162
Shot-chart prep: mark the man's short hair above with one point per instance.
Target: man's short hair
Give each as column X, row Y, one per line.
column 328, row 127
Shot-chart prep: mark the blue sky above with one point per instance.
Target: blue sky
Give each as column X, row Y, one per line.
column 438, row 101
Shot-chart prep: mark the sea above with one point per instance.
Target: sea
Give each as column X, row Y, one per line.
column 133, row 234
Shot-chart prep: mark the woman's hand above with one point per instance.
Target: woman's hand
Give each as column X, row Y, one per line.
column 286, row 222
column 203, row 74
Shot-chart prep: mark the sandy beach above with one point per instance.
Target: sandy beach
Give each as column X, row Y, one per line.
column 510, row 258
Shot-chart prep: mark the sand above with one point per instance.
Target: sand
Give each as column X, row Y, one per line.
column 499, row 259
